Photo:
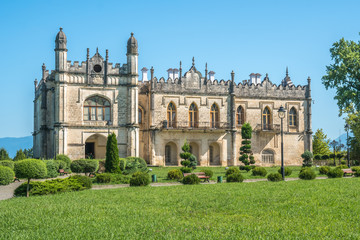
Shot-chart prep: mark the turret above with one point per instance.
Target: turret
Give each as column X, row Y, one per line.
column 60, row 51
column 132, row 55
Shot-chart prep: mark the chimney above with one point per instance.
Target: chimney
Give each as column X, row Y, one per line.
column 176, row 73
column 170, row 73
column 144, row 71
column 212, row 75
column 252, row 78
column 258, row 78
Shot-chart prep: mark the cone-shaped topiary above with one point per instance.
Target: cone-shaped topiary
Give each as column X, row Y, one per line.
column 112, row 161
column 188, row 159
column 245, row 150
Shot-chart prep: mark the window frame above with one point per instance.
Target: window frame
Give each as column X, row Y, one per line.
column 93, row 110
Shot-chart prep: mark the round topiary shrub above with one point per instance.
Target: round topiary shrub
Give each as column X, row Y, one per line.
column 287, row 171
column 135, row 164
column 246, row 168
column 324, row 170
column 52, row 168
column 191, row 179
column 103, row 178
column 335, row 173
column 84, row 166
column 208, row 173
column 186, row 170
column 122, row 164
column 307, row 174
column 83, row 180
column 356, row 170
column 259, row 171
column 342, row 166
column 6, row 175
column 64, row 158
column 274, row 177
column 232, row 170
column 234, row 177
column 7, row 163
column 140, row 179
column 175, row 174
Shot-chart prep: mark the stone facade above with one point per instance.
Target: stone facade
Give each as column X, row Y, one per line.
column 153, row 118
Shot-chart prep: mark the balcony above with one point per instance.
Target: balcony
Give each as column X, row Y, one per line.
column 271, row 128
column 185, row 125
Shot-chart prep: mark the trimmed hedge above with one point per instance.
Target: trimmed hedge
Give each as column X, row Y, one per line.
column 324, row 170
column 191, row 179
column 139, row 179
column 356, row 170
column 234, row 177
column 135, row 164
column 84, row 166
column 232, row 170
column 30, row 168
column 74, row 183
column 307, row 174
column 287, row 171
column 335, row 173
column 208, row 172
column 66, row 159
column 7, row 163
column 6, row 175
column 114, row 178
column 259, row 171
column 247, row 168
column 274, row 177
column 52, row 168
column 175, row 174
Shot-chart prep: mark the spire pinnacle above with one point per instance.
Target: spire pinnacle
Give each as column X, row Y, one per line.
column 205, row 66
column 61, row 28
column 97, row 50
column 287, row 71
column 193, row 61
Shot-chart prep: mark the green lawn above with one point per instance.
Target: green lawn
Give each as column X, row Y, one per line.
column 161, row 172
column 318, row 209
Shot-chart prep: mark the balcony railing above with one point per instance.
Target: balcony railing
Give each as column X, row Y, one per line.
column 194, row 125
column 267, row 127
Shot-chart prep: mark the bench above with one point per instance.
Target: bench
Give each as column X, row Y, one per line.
column 16, row 179
column 348, row 171
column 200, row 175
column 62, row 172
column 91, row 175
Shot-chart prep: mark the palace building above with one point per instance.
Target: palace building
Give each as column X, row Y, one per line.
column 77, row 105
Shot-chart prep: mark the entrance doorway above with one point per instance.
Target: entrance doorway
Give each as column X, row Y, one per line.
column 90, row 150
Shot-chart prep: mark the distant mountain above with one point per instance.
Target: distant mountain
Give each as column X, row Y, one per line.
column 342, row 138
column 12, row 144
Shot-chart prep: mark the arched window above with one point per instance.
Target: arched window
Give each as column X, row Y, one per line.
column 267, row 156
column 96, row 109
column 240, row 118
column 214, row 116
column 140, row 115
column 292, row 117
column 171, row 115
column 193, row 116
column 266, row 119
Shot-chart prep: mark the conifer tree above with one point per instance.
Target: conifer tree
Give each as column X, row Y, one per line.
column 189, row 160
column 245, row 150
column 112, row 161
column 4, row 155
column 20, row 155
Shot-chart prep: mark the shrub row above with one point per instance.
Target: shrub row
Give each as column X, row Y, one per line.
column 112, row 178
column 140, row 179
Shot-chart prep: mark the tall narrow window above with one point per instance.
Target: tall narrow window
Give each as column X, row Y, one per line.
column 214, row 116
column 193, row 116
column 167, row 154
column 266, row 119
column 97, row 109
column 140, row 115
column 171, row 115
column 211, row 153
column 240, row 118
column 292, row 117
column 267, row 156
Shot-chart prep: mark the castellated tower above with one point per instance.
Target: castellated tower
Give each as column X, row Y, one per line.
column 77, row 105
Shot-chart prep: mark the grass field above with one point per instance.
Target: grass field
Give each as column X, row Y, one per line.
column 161, row 172
column 318, row 209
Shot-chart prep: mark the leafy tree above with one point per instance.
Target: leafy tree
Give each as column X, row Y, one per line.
column 112, row 161
column 29, row 153
column 245, row 150
column 30, row 168
column 320, row 143
column 4, row 155
column 189, row 160
column 344, row 74
column 20, row 155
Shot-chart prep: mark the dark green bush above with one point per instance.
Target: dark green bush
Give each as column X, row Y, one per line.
column 62, row 165
column 103, row 178
column 191, row 179
column 235, row 177
column 84, row 166
column 317, row 157
column 74, row 183
column 307, row 159
column 208, row 173
column 122, row 164
column 6, row 175
column 307, row 174
column 325, row 157
column 66, row 159
column 335, row 173
column 274, row 177
column 287, row 171
column 324, row 170
column 140, row 179
column 259, row 171
column 343, row 162
column 112, row 162
column 52, row 168
column 7, row 163
column 186, row 163
column 246, row 167
column 135, row 164
column 356, row 170
column 232, row 170
column 175, row 174
column 342, row 166
column 83, row 180
column 186, row 170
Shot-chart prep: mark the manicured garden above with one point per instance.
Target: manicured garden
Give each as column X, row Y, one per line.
column 318, row 209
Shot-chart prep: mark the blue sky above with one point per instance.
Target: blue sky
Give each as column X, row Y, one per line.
column 244, row 36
